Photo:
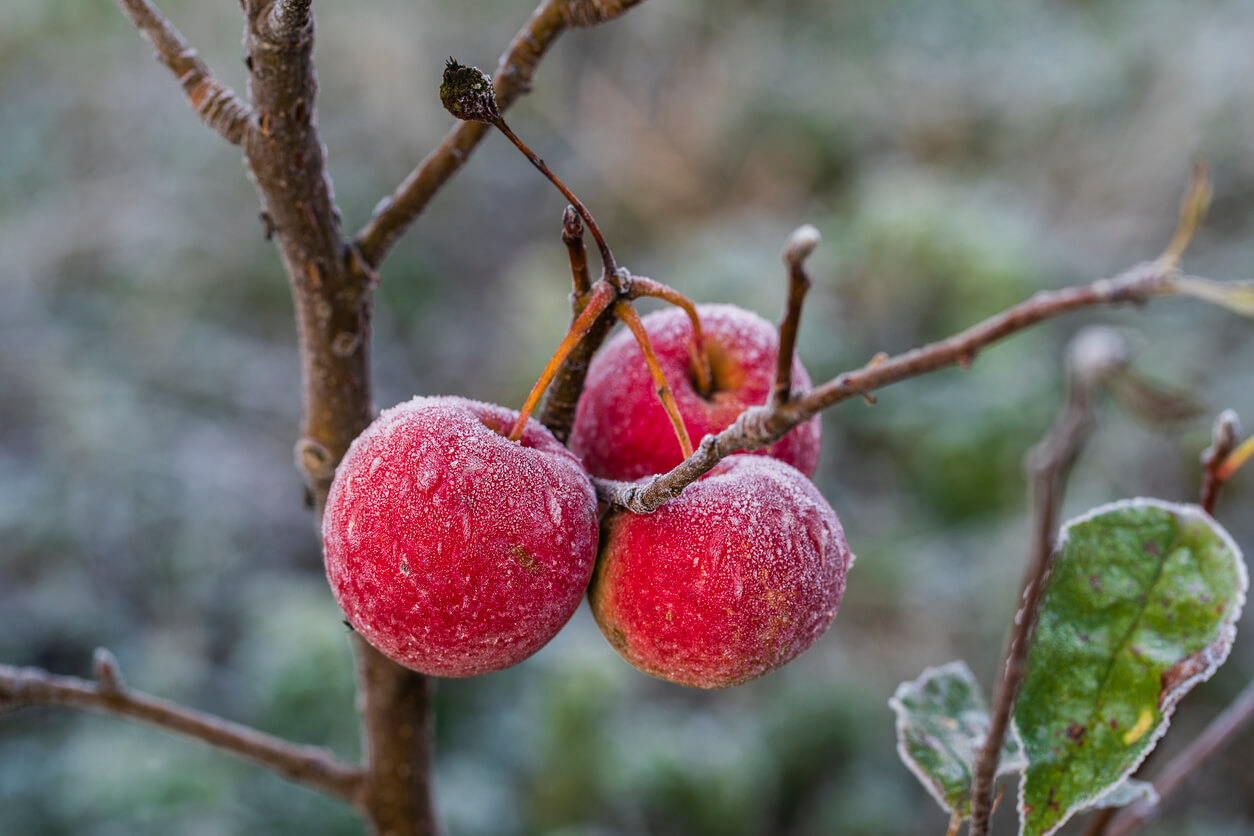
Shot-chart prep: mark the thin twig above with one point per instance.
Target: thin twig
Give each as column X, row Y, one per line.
column 563, row 396
column 214, row 102
column 760, row 426
column 309, row 765
column 1090, row 360
column 572, row 237
column 1180, row 769
column 796, row 250
column 1224, row 436
column 513, row 77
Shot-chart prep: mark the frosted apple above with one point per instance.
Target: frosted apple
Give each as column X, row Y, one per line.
column 621, row 430
column 733, row 578
column 452, row 549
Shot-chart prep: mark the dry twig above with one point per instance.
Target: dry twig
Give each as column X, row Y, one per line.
column 1092, row 358
column 764, row 425
column 214, row 102
column 309, row 765
column 1224, row 438
column 796, row 250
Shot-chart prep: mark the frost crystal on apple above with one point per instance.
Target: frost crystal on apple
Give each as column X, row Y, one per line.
column 735, row 577
column 452, row 549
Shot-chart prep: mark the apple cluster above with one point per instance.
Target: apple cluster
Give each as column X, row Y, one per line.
column 458, row 551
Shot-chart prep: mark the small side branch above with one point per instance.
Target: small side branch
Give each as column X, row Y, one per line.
column 214, row 102
column 1091, row 360
column 513, row 78
column 764, row 425
column 309, row 765
column 1224, row 439
column 572, row 237
column 562, row 400
column 1178, row 771
column 796, row 250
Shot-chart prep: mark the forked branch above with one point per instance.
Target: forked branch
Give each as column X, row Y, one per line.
column 309, row 765
column 214, row 102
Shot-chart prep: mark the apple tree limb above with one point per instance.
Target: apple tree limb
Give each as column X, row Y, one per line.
column 310, row 765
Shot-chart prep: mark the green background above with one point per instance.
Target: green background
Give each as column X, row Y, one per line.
column 956, row 156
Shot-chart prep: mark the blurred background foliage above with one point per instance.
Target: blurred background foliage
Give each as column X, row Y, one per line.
column 956, row 156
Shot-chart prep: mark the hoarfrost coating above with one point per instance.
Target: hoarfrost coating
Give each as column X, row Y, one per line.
column 452, row 549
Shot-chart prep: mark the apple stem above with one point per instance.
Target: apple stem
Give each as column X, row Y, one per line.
column 607, row 257
column 640, row 286
column 629, row 316
column 796, row 250
column 603, row 295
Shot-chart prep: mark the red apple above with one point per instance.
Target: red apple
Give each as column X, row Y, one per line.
column 621, row 430
column 733, row 578
column 452, row 549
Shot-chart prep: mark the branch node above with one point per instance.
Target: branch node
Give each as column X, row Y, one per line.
column 287, row 23
column 108, row 674
column 314, row 459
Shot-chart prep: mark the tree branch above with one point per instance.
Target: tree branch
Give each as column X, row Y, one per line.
column 398, row 723
column 309, row 765
column 764, row 425
column 1180, row 769
column 215, row 103
column 1094, row 355
column 1224, row 438
column 332, row 287
column 796, row 250
column 286, row 21
column 514, row 73
column 562, row 399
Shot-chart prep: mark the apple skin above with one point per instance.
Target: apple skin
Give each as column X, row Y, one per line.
column 451, row 549
column 621, row 430
column 734, row 577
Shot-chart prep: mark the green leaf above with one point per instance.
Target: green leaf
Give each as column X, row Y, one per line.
column 1140, row 606
column 942, row 721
